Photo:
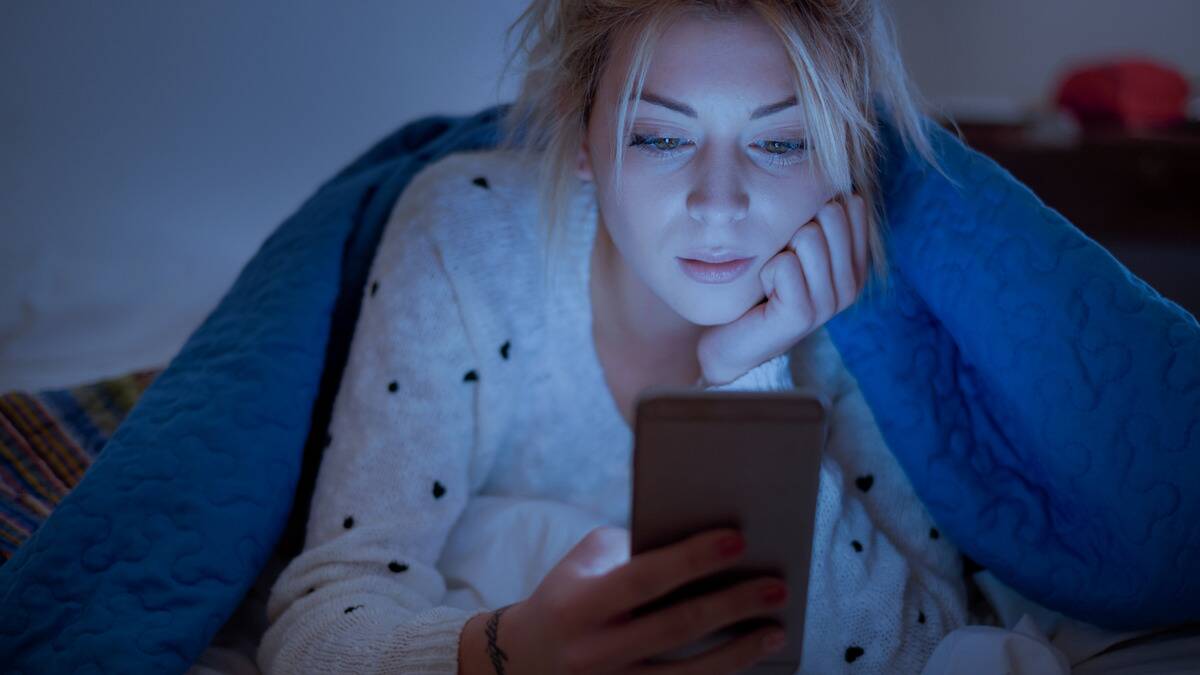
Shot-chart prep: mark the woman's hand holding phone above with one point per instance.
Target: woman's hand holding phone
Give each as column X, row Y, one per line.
column 579, row 619
column 818, row 274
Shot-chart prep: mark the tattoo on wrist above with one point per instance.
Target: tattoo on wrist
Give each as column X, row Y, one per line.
column 496, row 654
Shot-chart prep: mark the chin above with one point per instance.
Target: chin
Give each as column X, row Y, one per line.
column 714, row 308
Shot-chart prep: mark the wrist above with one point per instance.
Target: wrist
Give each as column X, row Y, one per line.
column 709, row 375
column 472, row 652
column 484, row 647
column 715, row 377
column 774, row 374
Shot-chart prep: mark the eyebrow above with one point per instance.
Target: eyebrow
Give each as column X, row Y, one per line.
column 685, row 109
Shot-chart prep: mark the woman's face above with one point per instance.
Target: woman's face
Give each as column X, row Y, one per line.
column 713, row 164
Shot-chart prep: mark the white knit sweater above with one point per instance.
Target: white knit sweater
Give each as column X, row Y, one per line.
column 475, row 441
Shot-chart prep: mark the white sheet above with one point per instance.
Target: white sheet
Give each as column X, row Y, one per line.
column 1041, row 641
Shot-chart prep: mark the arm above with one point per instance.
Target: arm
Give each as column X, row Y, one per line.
column 499, row 553
column 475, row 653
column 364, row 595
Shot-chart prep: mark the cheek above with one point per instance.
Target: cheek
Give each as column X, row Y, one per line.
column 650, row 218
column 635, row 229
column 793, row 209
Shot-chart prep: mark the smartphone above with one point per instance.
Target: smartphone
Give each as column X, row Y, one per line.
column 744, row 459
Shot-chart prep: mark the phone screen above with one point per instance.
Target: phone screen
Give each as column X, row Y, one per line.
column 749, row 460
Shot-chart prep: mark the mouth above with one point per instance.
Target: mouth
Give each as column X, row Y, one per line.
column 721, row 255
column 715, row 272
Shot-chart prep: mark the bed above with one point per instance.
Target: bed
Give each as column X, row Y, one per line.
column 1044, row 401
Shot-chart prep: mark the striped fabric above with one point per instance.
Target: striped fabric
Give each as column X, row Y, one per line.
column 48, row 440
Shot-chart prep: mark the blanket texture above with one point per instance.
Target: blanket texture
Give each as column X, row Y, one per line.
column 1043, row 400
column 48, row 440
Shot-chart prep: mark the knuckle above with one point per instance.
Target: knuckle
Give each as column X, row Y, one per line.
column 827, row 308
column 698, row 559
column 639, row 587
column 805, row 239
column 831, row 209
column 773, row 264
column 746, row 599
column 809, row 232
column 750, row 594
column 754, row 595
column 749, row 651
column 556, row 606
column 576, row 660
column 819, row 240
column 692, row 619
column 790, row 274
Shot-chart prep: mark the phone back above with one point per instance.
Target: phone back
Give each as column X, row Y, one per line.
column 750, row 460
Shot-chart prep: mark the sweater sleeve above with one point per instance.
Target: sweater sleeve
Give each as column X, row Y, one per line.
column 365, row 595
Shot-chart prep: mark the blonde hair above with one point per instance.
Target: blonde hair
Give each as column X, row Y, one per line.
column 844, row 54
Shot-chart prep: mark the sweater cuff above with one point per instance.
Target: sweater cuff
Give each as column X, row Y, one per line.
column 431, row 640
column 771, row 375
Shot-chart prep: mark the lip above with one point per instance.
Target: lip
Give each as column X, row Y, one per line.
column 714, row 273
column 715, row 255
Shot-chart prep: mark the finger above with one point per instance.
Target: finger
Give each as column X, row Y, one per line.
column 835, row 225
column 655, row 573
column 813, row 252
column 857, row 207
column 762, row 331
column 679, row 624
column 785, row 286
column 732, row 656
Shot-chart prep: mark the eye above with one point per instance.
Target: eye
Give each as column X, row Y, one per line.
column 663, row 146
column 779, row 153
column 784, row 152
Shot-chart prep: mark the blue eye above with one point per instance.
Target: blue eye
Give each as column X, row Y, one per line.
column 778, row 153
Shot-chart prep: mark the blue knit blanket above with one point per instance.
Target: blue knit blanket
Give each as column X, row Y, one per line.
column 1044, row 402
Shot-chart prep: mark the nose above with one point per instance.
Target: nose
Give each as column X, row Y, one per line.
column 718, row 196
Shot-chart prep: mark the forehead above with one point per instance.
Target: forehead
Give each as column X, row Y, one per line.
column 699, row 55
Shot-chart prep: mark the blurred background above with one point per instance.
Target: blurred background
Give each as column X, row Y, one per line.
column 147, row 148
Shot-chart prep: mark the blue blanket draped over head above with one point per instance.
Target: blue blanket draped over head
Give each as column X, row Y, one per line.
column 1044, row 402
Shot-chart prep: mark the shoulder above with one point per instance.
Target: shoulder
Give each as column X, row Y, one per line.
column 477, row 207
column 469, row 222
column 462, row 187
column 491, row 170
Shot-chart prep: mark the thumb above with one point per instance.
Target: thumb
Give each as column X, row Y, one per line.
column 728, row 350
column 601, row 550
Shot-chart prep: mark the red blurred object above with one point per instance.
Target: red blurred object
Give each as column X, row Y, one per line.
column 1130, row 93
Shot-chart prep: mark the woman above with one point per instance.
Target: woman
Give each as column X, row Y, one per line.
column 523, row 297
